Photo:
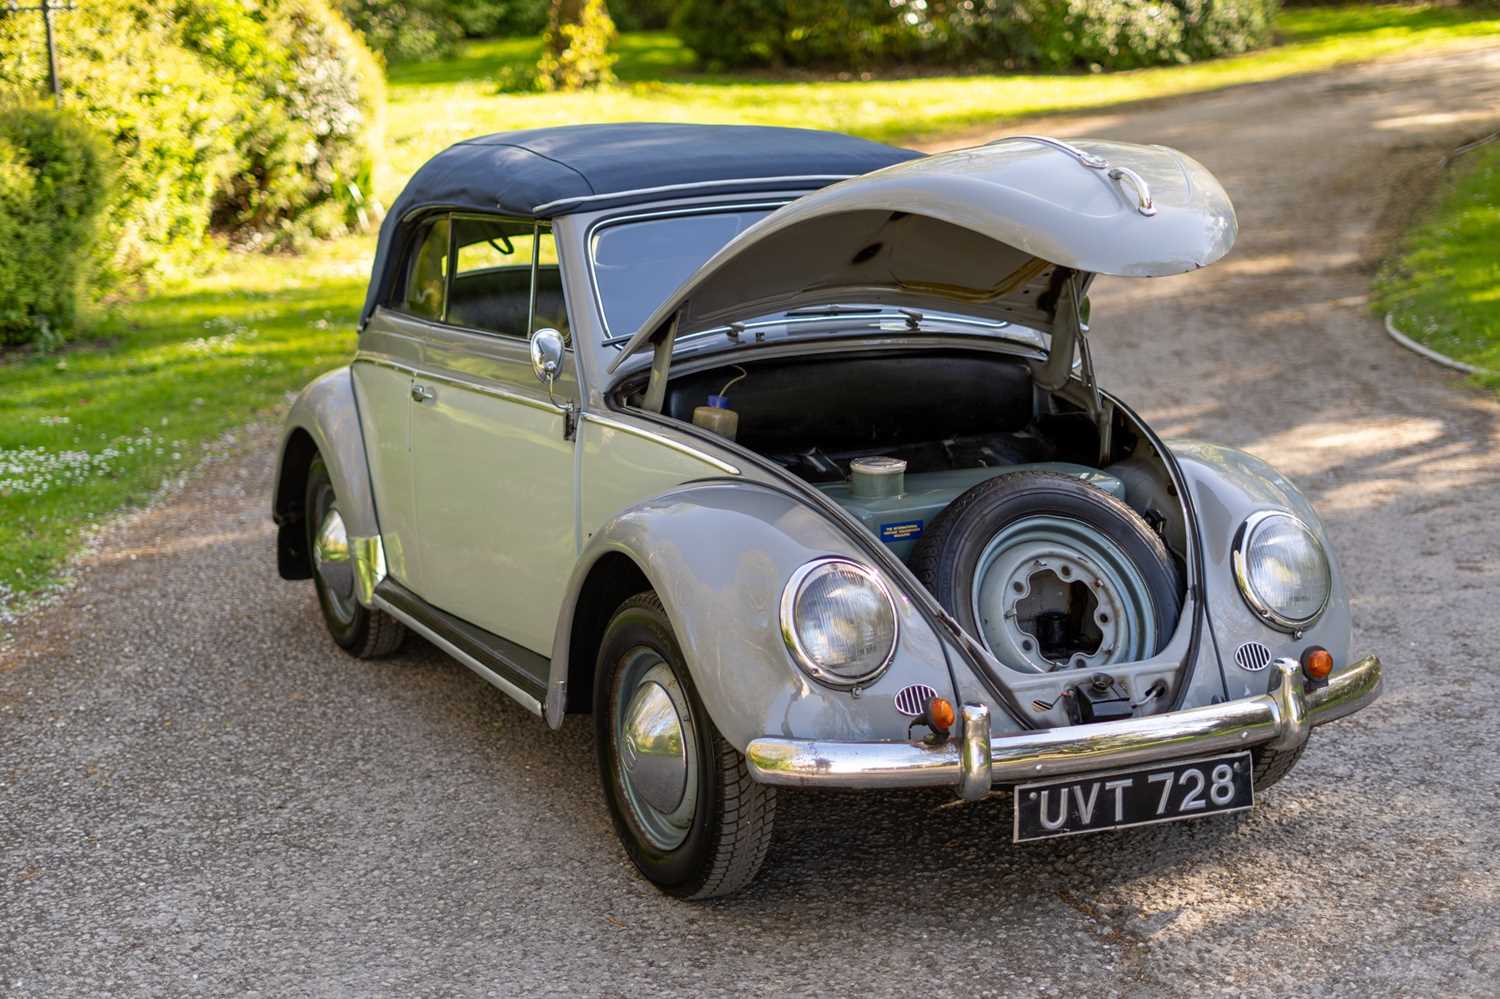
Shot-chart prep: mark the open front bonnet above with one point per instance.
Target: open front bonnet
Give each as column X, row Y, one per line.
column 993, row 231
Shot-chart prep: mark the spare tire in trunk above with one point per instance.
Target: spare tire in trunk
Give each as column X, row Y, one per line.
column 1051, row 573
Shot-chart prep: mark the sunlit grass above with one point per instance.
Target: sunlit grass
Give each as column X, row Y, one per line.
column 102, row 426
column 1443, row 288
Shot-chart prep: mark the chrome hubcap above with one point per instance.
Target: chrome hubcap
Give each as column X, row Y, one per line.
column 655, row 751
column 334, row 564
column 1050, row 593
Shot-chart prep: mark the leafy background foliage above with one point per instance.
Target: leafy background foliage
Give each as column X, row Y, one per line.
column 1041, row 34
column 576, row 47
column 258, row 120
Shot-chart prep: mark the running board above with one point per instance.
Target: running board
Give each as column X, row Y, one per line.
column 511, row 669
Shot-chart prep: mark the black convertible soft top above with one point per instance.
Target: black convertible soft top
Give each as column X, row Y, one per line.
column 541, row 173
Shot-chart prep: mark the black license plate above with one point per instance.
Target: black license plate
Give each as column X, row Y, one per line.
column 1137, row 797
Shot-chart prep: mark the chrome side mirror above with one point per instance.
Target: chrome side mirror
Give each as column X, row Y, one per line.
column 547, row 348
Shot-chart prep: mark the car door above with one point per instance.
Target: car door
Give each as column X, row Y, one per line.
column 390, row 347
column 493, row 447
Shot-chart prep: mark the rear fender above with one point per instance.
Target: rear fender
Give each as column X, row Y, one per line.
column 324, row 420
column 718, row 555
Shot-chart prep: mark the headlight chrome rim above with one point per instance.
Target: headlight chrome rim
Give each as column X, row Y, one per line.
column 1239, row 559
column 793, row 641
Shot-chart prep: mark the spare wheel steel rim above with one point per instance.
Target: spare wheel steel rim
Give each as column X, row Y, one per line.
column 1016, row 565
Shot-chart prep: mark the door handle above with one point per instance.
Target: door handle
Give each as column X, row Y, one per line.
column 421, row 393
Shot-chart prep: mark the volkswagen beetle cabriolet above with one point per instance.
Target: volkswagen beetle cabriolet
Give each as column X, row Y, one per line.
column 781, row 454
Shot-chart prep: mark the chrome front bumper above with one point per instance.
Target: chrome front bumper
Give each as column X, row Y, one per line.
column 973, row 762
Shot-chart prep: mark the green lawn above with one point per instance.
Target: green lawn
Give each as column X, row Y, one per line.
column 88, row 431
column 1443, row 287
column 100, row 427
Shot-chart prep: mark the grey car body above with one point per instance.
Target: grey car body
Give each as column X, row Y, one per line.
column 504, row 511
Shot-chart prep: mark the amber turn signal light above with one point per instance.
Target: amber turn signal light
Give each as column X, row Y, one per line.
column 940, row 714
column 1317, row 663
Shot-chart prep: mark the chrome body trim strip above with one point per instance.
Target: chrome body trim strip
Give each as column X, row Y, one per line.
column 369, row 567
column 700, row 185
column 661, row 439
column 483, row 388
column 1087, row 159
column 494, row 679
column 1280, row 719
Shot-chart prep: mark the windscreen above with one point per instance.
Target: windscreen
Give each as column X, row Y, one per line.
column 638, row 264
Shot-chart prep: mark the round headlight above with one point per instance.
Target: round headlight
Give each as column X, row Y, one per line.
column 1282, row 570
column 839, row 622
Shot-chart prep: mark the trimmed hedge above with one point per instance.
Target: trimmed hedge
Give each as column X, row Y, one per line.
column 255, row 118
column 1038, row 34
column 53, row 185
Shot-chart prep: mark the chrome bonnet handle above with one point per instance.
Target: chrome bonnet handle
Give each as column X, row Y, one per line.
column 1117, row 174
column 1142, row 192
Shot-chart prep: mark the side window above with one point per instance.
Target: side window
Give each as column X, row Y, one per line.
column 425, row 290
column 550, row 310
column 493, row 279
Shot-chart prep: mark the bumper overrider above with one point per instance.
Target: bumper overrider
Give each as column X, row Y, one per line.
column 973, row 762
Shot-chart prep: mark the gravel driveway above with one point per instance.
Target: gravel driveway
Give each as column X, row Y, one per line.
column 200, row 795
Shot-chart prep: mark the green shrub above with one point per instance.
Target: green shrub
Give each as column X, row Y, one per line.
column 643, row 15
column 412, row 30
column 1041, row 34
column 168, row 117
column 52, row 192
column 487, row 18
column 404, row 30
column 1217, row 28
column 729, row 33
column 258, row 119
column 1094, row 34
column 310, row 98
column 575, row 46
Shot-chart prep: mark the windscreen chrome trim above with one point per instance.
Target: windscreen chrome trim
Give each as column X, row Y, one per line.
column 697, row 185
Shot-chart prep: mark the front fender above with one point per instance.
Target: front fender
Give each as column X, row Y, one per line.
column 324, row 419
column 719, row 554
column 1227, row 486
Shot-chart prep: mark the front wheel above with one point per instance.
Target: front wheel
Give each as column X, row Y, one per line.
column 360, row 631
column 681, row 797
